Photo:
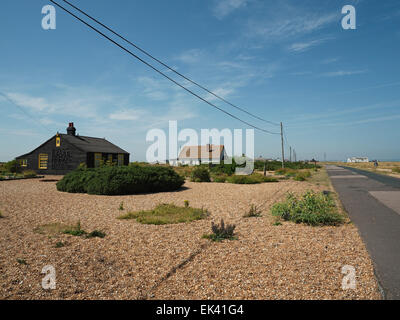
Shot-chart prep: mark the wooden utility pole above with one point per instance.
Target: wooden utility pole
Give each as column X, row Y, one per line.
column 283, row 149
column 290, row 154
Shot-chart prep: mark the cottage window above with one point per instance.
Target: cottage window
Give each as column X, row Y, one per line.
column 110, row 159
column 120, row 159
column 97, row 159
column 23, row 162
column 43, row 160
column 58, row 141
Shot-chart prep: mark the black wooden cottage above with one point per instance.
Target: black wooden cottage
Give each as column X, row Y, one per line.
column 65, row 152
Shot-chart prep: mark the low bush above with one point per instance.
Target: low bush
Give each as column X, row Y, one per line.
column 200, row 174
column 166, row 214
column 250, row 179
column 221, row 232
column 275, row 165
column 12, row 166
column 29, row 174
column 121, row 180
column 1, row 215
column 302, row 175
column 223, row 168
column 396, row 170
column 311, row 208
column 75, row 230
column 96, row 234
column 219, row 178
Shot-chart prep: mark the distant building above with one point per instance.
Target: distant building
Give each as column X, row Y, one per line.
column 196, row 155
column 65, row 152
column 357, row 159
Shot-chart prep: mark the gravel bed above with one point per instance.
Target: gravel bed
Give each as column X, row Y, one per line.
column 136, row 261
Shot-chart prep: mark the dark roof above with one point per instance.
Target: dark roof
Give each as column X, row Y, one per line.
column 91, row 144
column 86, row 144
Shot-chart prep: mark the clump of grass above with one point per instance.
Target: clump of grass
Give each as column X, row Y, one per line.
column 22, row 261
column 311, row 208
column 285, row 172
column 302, row 176
column 52, row 228
column 121, row 206
column 186, row 202
column 277, row 223
column 253, row 212
column 96, row 233
column 1, row 215
column 250, row 179
column 75, row 230
column 59, row 244
column 221, row 232
column 166, row 214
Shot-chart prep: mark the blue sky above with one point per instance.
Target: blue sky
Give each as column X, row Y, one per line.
column 336, row 91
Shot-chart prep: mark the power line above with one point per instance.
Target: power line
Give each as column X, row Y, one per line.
column 22, row 109
column 167, row 66
column 158, row 71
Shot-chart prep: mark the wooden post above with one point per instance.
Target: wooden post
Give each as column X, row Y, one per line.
column 283, row 150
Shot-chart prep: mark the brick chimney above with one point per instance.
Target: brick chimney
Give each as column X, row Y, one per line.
column 71, row 129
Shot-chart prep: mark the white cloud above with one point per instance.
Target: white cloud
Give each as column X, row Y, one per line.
column 191, row 56
column 342, row 73
column 285, row 26
column 304, row 46
column 126, row 115
column 226, row 7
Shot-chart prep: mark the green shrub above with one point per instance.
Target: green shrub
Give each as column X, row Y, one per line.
column 22, row 261
column 75, row 230
column 219, row 178
column 250, row 179
column 12, row 166
column 166, row 214
column 253, row 212
column 1, row 215
column 311, row 208
column 59, row 244
column 121, row 180
column 225, row 169
column 275, row 165
column 302, row 175
column 396, row 170
column 200, row 174
column 186, row 202
column 221, row 232
column 29, row 174
column 121, row 206
column 96, row 233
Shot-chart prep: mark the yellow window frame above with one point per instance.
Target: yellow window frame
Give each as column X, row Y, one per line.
column 98, row 157
column 23, row 162
column 120, row 159
column 58, row 142
column 43, row 160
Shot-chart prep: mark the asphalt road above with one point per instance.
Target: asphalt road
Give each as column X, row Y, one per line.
column 373, row 204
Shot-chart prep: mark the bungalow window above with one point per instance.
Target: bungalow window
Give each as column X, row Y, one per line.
column 97, row 159
column 120, row 159
column 110, row 159
column 58, row 142
column 43, row 160
column 23, row 162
